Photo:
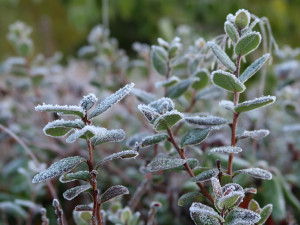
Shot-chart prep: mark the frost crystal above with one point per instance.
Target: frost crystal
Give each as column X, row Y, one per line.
column 257, row 173
column 58, row 168
column 75, row 191
column 217, row 189
column 87, row 131
column 206, row 120
column 111, row 100
column 61, row 109
column 226, row 149
column 154, row 139
column 88, row 101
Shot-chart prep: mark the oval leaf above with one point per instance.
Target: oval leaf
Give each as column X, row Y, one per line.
column 167, row 120
column 75, row 191
column 85, row 133
column 154, row 139
column 241, row 216
column 257, row 173
column 206, row 120
column 164, row 164
column 80, row 175
column 195, row 136
column 111, row 100
column 58, row 168
column 231, row 31
column 189, row 197
column 206, row 175
column 203, row 75
column 167, row 83
column 254, row 134
column 265, row 213
column 217, row 189
column 113, row 192
column 159, row 57
column 60, row 128
column 179, row 88
column 227, row 81
column 222, row 56
column 230, row 200
column 202, row 214
column 253, row 68
column 254, row 104
column 61, row 109
column 108, row 136
column 247, row 43
column 226, row 149
column 119, row 155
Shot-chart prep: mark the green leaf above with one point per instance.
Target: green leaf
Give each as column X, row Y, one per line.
column 256, row 173
column 167, row 120
column 227, row 81
column 159, row 57
column 143, row 96
column 247, row 44
column 265, row 213
column 179, row 88
column 231, row 31
column 80, row 175
column 242, row 19
column 230, row 200
column 75, row 191
column 206, row 175
column 254, row 104
column 113, row 192
column 225, row 149
column 254, row 206
column 108, row 136
column 111, row 100
column 222, row 56
column 206, row 120
column 203, row 75
column 164, row 164
column 154, row 139
column 204, row 215
column 189, row 198
column 61, row 109
column 58, row 168
column 59, row 128
column 253, row 68
column 241, row 216
column 87, row 132
column 195, row 136
column 126, row 154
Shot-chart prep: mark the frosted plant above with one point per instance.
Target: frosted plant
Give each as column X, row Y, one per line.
column 83, row 129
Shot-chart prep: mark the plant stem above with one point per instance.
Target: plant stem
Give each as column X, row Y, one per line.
column 236, row 97
column 186, row 165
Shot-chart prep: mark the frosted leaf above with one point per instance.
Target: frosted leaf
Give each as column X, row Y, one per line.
column 247, row 43
column 87, row 51
column 195, row 136
column 231, row 31
column 58, row 168
column 167, row 120
column 253, row 68
column 203, row 81
column 210, row 92
column 227, row 105
column 204, row 215
column 257, row 173
column 149, row 112
column 162, row 105
column 111, row 100
column 254, row 134
column 60, row 128
column 265, row 213
column 254, row 206
column 27, row 203
column 86, row 132
column 231, row 187
column 159, row 57
column 126, row 154
column 61, row 109
column 230, row 200
column 136, row 138
column 164, row 164
column 113, row 192
column 242, row 18
column 239, row 216
column 83, row 208
column 255, row 103
column 14, row 209
column 227, row 81
column 222, row 56
column 167, row 83
column 205, row 175
column 217, row 189
column 75, row 191
column 154, row 139
column 163, row 43
column 192, row 162
column 188, row 198
column 108, row 136
column 88, row 101
column 291, row 128
column 225, row 149
column 80, row 175
column 206, row 120
column 143, row 96
column 250, row 190
column 251, row 26
column 178, row 89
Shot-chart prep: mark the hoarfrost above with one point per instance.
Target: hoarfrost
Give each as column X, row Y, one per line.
column 61, row 109
column 88, row 101
column 226, row 149
column 217, row 189
column 108, row 136
column 257, row 173
column 75, row 191
column 206, row 120
column 226, row 104
column 164, row 164
column 254, row 134
column 206, row 175
column 88, row 130
column 113, row 192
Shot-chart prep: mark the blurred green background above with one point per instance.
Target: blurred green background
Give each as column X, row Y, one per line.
column 63, row 25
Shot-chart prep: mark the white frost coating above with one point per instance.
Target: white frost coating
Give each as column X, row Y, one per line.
column 245, row 36
column 204, row 214
column 230, row 18
column 108, row 136
column 291, row 128
column 154, row 139
column 257, row 101
column 89, row 129
column 257, row 173
column 58, row 168
column 226, row 105
column 136, row 138
column 246, row 12
column 217, row 189
column 126, row 154
column 242, row 216
column 226, row 149
column 230, row 76
column 163, row 119
column 61, row 109
column 111, row 100
column 164, row 164
column 206, row 175
column 149, row 112
column 97, row 34
column 206, row 120
column 228, row 188
column 113, row 192
column 221, row 55
column 75, row 191
column 255, row 134
column 171, row 80
column 63, row 123
column 162, row 104
column 231, row 199
column 143, row 96
column 88, row 101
